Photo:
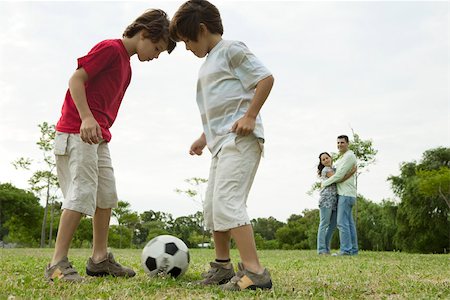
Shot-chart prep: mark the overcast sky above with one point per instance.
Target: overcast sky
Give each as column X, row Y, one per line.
column 381, row 68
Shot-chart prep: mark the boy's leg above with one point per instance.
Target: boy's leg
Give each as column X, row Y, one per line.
column 236, row 169
column 76, row 164
column 245, row 242
column 67, row 225
column 221, row 270
column 77, row 174
column 100, row 230
column 222, row 244
column 103, row 263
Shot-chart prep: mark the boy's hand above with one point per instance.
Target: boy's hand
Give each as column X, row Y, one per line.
column 90, row 131
column 244, row 126
column 198, row 145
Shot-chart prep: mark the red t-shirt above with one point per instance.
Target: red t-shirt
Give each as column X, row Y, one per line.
column 109, row 71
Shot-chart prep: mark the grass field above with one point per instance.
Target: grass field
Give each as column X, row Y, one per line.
column 295, row 274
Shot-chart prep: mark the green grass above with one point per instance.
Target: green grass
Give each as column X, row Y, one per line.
column 295, row 274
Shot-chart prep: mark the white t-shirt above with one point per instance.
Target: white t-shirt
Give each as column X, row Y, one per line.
column 225, row 87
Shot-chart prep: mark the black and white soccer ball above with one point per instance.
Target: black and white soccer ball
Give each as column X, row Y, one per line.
column 165, row 254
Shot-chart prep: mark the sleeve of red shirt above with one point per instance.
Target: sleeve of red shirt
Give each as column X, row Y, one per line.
column 100, row 57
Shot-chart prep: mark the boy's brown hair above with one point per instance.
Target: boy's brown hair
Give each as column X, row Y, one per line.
column 186, row 21
column 156, row 24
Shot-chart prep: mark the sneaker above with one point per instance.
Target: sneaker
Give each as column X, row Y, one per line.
column 63, row 270
column 245, row 279
column 341, row 254
column 108, row 267
column 217, row 274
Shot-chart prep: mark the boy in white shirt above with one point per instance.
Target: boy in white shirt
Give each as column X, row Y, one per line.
column 231, row 89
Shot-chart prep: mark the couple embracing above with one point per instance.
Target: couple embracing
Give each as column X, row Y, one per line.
column 337, row 198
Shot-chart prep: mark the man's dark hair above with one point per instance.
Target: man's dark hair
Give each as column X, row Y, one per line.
column 156, row 25
column 343, row 137
column 186, row 21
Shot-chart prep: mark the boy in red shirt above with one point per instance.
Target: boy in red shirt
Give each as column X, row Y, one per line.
column 85, row 172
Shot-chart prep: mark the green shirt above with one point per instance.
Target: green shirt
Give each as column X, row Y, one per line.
column 343, row 165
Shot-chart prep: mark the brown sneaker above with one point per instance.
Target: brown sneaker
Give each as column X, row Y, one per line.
column 245, row 279
column 108, row 267
column 217, row 274
column 63, row 270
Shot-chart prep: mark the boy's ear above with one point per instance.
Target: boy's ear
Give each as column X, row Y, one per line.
column 143, row 34
column 202, row 28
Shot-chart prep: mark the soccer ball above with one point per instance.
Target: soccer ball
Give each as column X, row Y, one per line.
column 165, row 254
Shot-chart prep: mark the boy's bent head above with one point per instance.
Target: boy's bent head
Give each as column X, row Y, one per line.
column 186, row 22
column 155, row 24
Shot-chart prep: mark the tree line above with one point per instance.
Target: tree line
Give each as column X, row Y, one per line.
column 418, row 222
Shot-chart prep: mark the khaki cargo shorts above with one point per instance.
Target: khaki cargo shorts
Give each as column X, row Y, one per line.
column 230, row 179
column 85, row 174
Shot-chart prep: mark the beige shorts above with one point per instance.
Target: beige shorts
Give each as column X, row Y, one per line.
column 85, row 174
column 230, row 179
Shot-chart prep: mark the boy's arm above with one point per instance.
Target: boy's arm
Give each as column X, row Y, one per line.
column 90, row 131
column 198, row 145
column 246, row 124
column 348, row 162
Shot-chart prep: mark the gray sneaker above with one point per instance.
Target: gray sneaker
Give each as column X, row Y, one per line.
column 245, row 279
column 217, row 274
column 108, row 267
column 63, row 270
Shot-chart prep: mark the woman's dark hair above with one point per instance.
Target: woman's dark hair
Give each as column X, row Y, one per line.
column 186, row 21
column 156, row 25
column 321, row 166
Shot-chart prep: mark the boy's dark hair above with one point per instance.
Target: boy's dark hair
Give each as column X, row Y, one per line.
column 156, row 24
column 343, row 137
column 186, row 21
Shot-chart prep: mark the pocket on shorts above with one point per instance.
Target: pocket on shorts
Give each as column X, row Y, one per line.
column 60, row 145
column 247, row 143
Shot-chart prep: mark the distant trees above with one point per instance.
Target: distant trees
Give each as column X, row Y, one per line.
column 20, row 216
column 423, row 214
column 44, row 182
column 419, row 221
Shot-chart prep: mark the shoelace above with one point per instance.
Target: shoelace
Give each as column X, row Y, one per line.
column 237, row 277
column 68, row 269
column 113, row 261
column 210, row 273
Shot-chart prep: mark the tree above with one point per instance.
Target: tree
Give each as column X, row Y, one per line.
column 266, row 227
column 184, row 228
column 153, row 223
column 83, row 233
column 423, row 213
column 44, row 182
column 435, row 183
column 131, row 220
column 300, row 231
column 195, row 193
column 365, row 155
column 120, row 213
column 20, row 215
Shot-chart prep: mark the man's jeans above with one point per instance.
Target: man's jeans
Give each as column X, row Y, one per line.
column 326, row 228
column 346, row 225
